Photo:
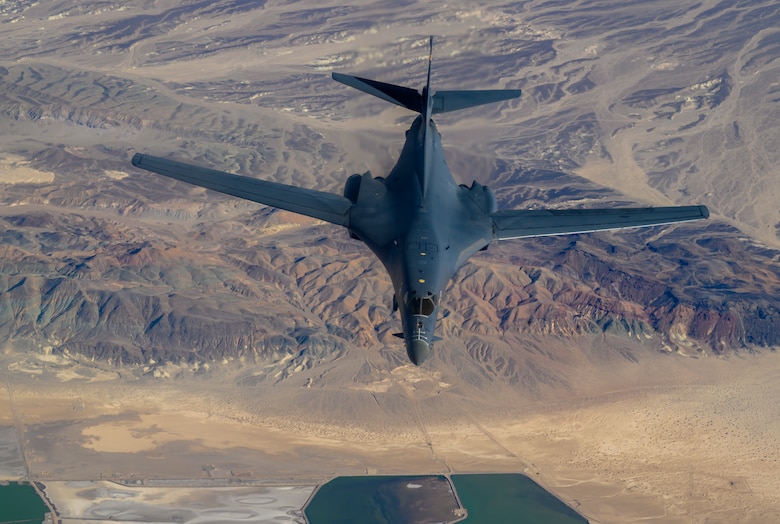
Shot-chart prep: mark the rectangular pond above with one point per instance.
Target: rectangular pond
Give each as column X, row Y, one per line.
column 510, row 497
column 486, row 499
column 20, row 504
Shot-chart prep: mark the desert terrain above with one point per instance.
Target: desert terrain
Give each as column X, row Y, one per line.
column 693, row 442
column 153, row 331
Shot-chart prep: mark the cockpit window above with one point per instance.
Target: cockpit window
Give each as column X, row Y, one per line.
column 423, row 306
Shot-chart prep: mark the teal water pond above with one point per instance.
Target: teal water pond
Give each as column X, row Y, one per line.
column 510, row 498
column 383, row 500
column 20, row 504
column 488, row 499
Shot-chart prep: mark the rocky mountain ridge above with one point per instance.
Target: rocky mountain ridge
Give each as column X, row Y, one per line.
column 112, row 265
column 243, row 290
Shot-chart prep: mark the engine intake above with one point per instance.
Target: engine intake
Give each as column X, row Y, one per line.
column 483, row 196
column 352, row 188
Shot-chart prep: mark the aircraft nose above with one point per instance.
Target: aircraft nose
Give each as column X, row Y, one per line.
column 418, row 351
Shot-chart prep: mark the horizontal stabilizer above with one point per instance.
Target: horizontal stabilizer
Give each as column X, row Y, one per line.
column 443, row 101
column 543, row 222
column 310, row 202
column 399, row 95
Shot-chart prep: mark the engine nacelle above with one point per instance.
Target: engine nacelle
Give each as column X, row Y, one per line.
column 490, row 200
column 352, row 188
column 483, row 196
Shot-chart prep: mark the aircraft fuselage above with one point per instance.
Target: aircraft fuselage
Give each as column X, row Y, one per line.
column 423, row 227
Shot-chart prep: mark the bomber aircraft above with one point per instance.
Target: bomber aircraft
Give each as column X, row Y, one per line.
column 418, row 221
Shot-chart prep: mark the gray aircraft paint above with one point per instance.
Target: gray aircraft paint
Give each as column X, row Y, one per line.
column 418, row 221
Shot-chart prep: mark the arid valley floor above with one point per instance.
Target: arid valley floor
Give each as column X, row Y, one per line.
column 693, row 442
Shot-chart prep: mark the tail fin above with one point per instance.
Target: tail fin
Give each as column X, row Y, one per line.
column 426, row 103
column 427, row 95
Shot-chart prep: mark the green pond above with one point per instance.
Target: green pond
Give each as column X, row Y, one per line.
column 382, row 500
column 489, row 499
column 20, row 504
column 510, row 498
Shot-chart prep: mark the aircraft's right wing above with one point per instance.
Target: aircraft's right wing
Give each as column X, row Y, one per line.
column 520, row 223
column 310, row 202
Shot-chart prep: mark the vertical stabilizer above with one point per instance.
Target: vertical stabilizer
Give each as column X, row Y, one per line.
column 426, row 112
column 427, row 94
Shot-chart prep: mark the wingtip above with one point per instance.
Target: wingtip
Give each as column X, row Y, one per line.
column 137, row 159
column 705, row 213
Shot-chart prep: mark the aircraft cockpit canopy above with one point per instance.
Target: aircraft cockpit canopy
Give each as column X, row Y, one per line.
column 422, row 306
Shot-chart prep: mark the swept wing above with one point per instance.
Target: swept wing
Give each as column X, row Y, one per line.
column 542, row 222
column 317, row 204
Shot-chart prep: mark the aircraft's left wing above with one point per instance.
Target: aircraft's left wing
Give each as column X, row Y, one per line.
column 310, row 202
column 543, row 222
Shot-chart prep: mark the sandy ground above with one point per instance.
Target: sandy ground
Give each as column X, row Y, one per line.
column 15, row 170
column 84, row 501
column 701, row 449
